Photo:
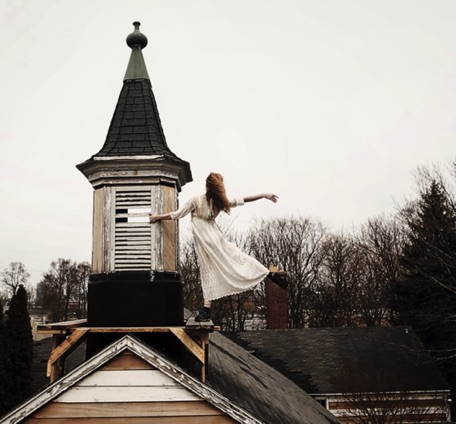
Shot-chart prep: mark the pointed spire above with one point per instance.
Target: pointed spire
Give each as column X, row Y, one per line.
column 136, row 132
column 136, row 67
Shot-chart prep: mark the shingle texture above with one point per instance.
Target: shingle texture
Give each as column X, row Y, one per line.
column 338, row 360
column 136, row 128
column 258, row 388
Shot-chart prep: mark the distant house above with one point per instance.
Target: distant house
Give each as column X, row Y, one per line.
column 358, row 372
column 38, row 316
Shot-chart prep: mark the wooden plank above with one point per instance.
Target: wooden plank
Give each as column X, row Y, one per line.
column 157, row 229
column 132, row 409
column 125, row 378
column 130, row 226
column 127, row 243
column 130, row 329
column 169, row 230
column 68, row 345
column 110, row 229
column 126, row 394
column 128, row 188
column 127, row 361
column 97, row 231
column 63, row 325
column 57, row 368
column 62, row 332
column 139, row 257
column 191, row 324
column 220, row 419
column 191, row 345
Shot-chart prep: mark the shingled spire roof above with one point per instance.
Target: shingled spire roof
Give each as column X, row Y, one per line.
column 135, row 132
column 136, row 128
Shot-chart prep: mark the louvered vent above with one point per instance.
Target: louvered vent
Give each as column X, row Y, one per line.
column 132, row 230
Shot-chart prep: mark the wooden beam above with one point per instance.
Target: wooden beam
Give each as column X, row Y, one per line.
column 56, row 370
column 130, row 329
column 60, row 326
column 192, row 324
column 195, row 337
column 188, row 341
column 67, row 346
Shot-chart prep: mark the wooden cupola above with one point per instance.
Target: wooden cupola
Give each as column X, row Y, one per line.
column 134, row 277
column 134, row 173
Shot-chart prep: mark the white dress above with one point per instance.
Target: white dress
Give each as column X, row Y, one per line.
column 224, row 268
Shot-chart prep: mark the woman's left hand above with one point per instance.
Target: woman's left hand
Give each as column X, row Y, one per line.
column 271, row 197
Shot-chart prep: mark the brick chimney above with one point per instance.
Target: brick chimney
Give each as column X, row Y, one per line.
column 276, row 305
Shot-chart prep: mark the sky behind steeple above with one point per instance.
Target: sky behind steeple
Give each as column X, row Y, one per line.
column 331, row 105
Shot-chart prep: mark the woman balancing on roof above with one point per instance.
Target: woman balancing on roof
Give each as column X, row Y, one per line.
column 224, row 268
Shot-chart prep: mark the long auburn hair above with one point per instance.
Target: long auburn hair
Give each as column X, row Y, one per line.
column 216, row 195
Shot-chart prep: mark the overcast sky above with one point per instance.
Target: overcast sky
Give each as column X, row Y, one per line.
column 332, row 105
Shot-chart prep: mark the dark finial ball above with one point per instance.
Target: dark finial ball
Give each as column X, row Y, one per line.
column 137, row 38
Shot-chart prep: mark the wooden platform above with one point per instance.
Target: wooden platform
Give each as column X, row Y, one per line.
column 68, row 335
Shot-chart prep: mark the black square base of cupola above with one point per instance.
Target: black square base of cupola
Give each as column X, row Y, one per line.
column 131, row 299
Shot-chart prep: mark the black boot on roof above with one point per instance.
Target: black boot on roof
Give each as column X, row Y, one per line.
column 204, row 315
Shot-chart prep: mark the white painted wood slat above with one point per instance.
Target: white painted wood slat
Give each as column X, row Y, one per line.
column 133, row 247
column 128, row 378
column 127, row 394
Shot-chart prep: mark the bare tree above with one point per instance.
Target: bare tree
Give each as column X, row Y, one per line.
column 13, row 276
column 291, row 244
column 63, row 289
column 81, row 276
column 334, row 292
column 380, row 242
column 189, row 270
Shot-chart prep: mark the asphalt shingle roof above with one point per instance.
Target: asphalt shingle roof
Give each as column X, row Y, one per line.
column 259, row 388
column 136, row 128
column 337, row 360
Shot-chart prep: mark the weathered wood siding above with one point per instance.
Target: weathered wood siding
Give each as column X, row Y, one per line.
column 123, row 238
column 170, row 236
column 128, row 390
column 98, row 231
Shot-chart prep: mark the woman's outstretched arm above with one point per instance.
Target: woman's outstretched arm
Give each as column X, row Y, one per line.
column 186, row 209
column 269, row 196
column 159, row 217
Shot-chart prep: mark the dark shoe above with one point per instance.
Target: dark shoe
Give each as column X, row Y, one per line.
column 280, row 278
column 204, row 315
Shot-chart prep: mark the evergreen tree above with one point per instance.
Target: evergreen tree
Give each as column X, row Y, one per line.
column 425, row 295
column 5, row 367
column 20, row 345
